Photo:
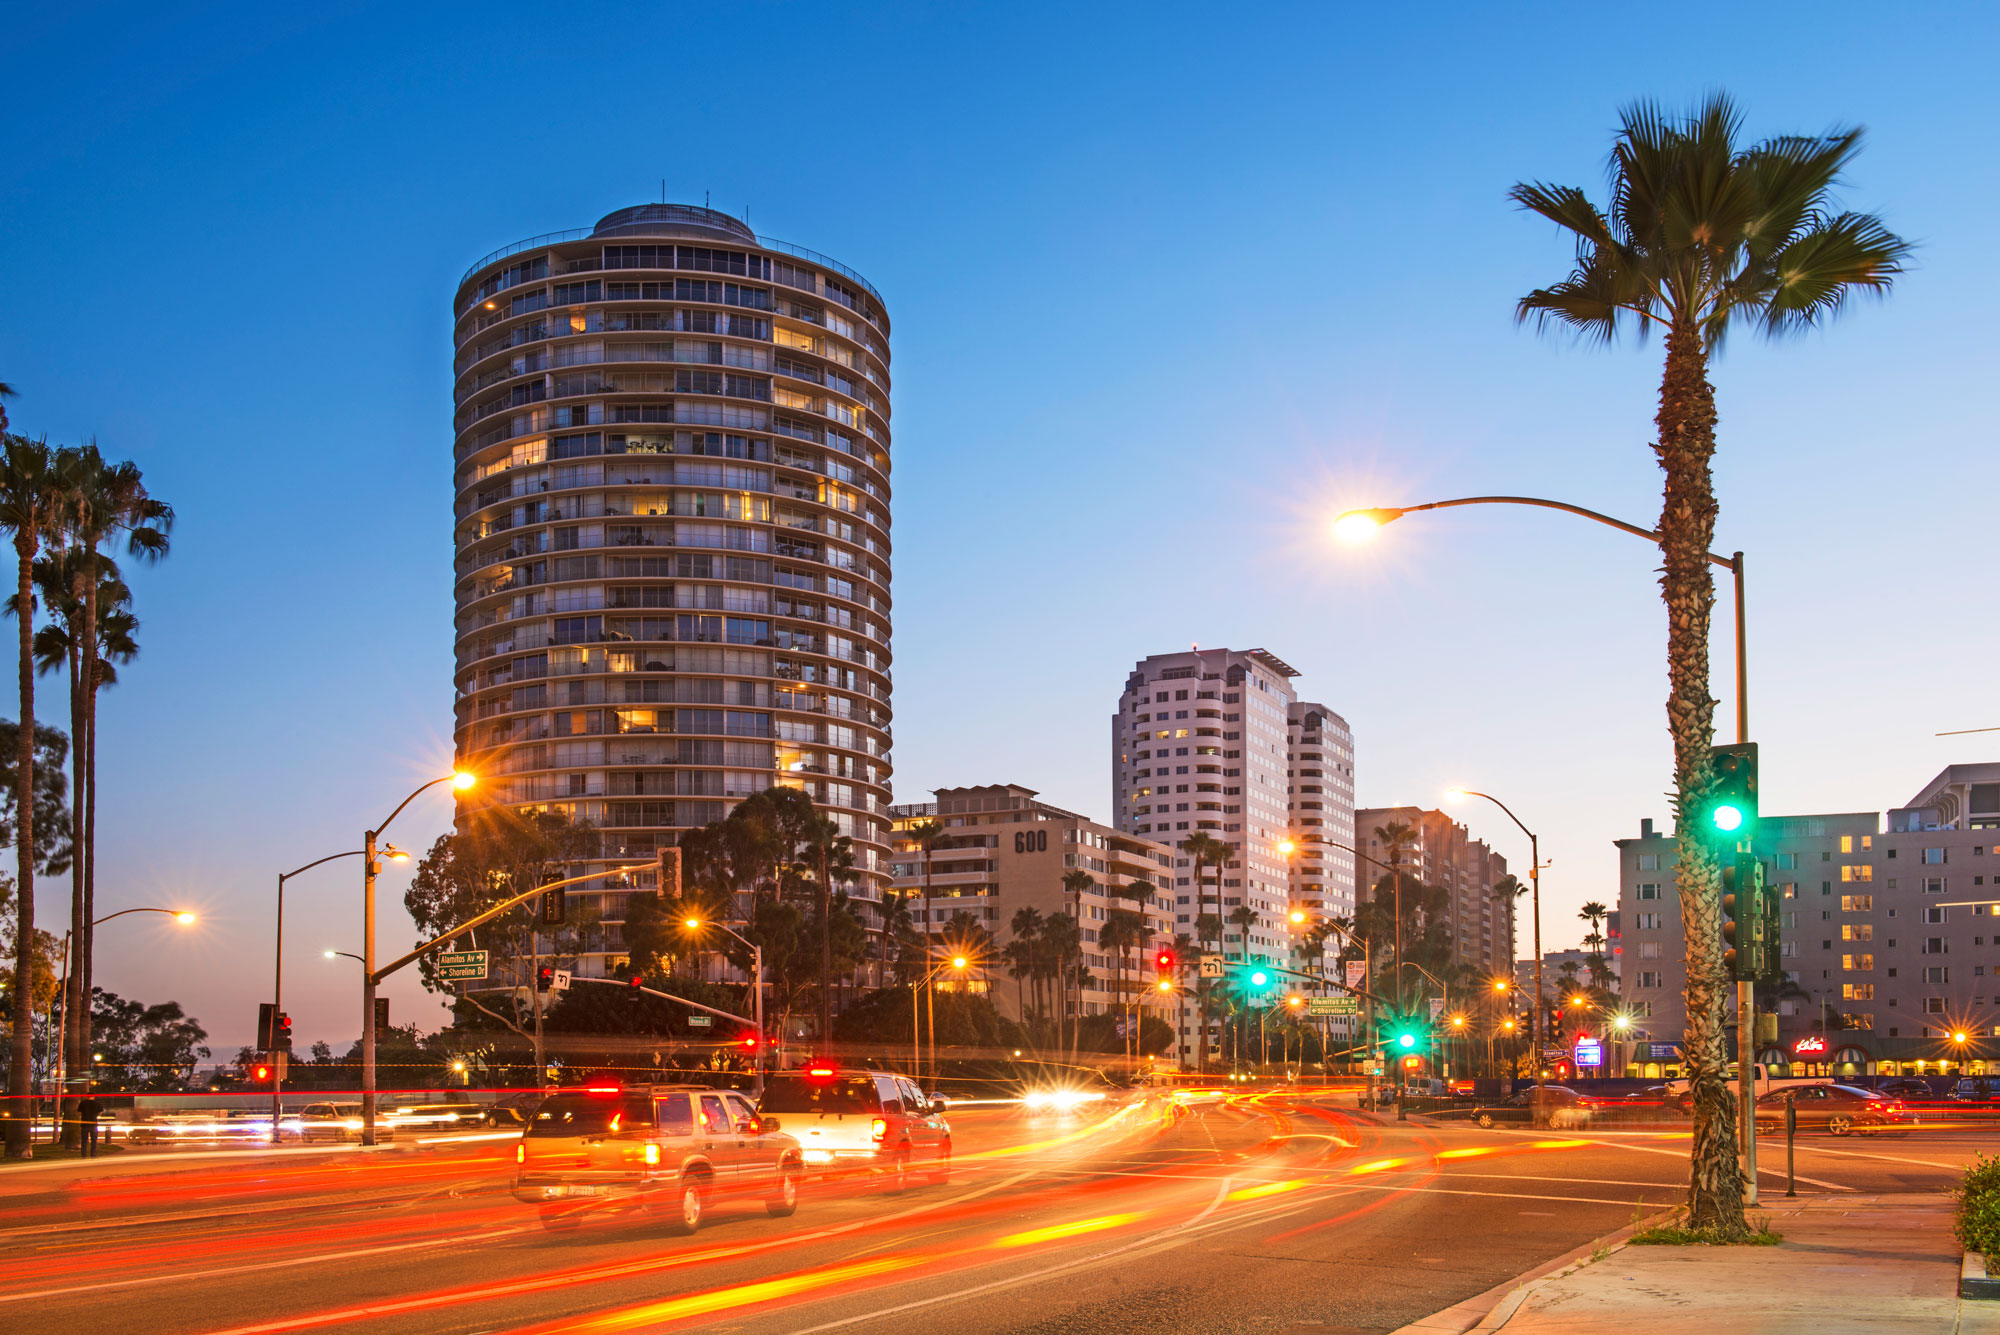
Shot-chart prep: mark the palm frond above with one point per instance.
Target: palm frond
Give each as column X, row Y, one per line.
column 1567, row 207
column 1812, row 277
column 1792, row 175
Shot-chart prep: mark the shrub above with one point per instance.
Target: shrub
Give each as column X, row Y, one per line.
column 1977, row 1224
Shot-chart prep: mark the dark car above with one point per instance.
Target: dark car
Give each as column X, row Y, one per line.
column 514, row 1110
column 1561, row 1099
column 1907, row 1087
column 1975, row 1089
column 1838, row 1110
column 675, row 1148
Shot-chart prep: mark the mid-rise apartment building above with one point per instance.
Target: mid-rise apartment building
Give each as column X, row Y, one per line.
column 671, row 534
column 1890, row 929
column 1444, row 854
column 1002, row 850
column 1210, row 741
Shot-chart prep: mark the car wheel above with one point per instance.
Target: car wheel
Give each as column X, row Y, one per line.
column 787, row 1199
column 1484, row 1119
column 692, row 1202
column 899, row 1173
column 942, row 1174
column 560, row 1218
column 1839, row 1124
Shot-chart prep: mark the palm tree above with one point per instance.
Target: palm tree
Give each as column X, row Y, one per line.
column 1077, row 884
column 1704, row 235
column 833, row 852
column 1026, row 925
column 6, row 392
column 1204, row 850
column 58, row 644
column 111, row 500
column 37, row 485
column 924, row 834
column 1396, row 837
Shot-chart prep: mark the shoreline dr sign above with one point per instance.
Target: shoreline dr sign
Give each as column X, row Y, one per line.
column 1589, row 1052
column 462, row 965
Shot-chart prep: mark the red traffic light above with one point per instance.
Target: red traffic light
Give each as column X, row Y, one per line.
column 545, row 978
column 750, row 1040
column 260, row 1072
column 1165, row 961
column 636, row 981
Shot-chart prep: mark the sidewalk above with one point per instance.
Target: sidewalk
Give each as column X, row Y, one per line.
column 1848, row 1264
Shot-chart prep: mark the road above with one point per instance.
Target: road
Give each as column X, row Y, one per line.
column 1249, row 1212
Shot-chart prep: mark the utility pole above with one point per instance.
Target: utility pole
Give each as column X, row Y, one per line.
column 369, row 868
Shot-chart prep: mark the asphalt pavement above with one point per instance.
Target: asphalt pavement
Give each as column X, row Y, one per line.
column 1242, row 1212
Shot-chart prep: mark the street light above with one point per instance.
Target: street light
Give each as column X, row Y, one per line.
column 957, row 962
column 182, row 916
column 344, row 954
column 461, row 780
column 1535, row 884
column 1356, row 526
column 756, row 995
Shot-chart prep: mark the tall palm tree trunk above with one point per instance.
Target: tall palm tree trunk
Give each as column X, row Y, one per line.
column 84, row 799
column 1200, row 983
column 74, row 1037
column 1686, row 422
column 21, row 1063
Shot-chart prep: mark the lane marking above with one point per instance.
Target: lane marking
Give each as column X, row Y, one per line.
column 1887, row 1158
column 1761, row 1170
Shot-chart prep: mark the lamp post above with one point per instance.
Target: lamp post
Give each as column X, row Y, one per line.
column 958, row 962
column 370, row 868
column 756, row 995
column 391, row 852
column 1535, row 883
column 181, row 916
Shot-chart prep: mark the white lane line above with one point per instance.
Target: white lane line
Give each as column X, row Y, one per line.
column 1762, row 1171
column 255, row 1266
column 1889, row 1158
column 1594, row 1181
column 1221, row 1192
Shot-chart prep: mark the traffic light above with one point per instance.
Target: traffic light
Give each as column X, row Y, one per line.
column 545, row 978
column 635, row 985
column 284, row 1043
column 555, row 904
column 261, row 1073
column 1743, row 917
column 267, row 1026
column 1774, row 908
column 1730, row 815
column 668, row 873
column 1165, row 961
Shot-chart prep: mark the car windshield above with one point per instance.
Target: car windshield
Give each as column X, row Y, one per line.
column 1854, row 1093
column 589, row 1115
column 852, row 1094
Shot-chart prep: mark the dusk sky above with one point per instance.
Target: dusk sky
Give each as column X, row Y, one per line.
column 1171, row 286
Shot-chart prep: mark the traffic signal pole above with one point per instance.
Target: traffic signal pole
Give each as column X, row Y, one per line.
column 1746, row 992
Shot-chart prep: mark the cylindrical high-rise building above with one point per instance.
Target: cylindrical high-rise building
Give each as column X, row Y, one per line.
column 671, row 532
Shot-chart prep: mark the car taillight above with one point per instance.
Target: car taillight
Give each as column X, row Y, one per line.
column 880, row 1128
column 521, row 1153
column 652, row 1155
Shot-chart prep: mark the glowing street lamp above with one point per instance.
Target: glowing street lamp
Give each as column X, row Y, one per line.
column 756, row 994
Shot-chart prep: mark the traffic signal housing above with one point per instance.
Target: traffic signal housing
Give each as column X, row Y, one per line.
column 1744, row 918
column 1729, row 817
column 545, row 978
column 555, row 902
column 1166, row 961
column 668, row 873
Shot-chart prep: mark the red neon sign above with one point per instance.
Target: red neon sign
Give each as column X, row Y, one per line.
column 1809, row 1047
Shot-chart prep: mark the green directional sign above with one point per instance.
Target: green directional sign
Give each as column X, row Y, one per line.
column 462, row 965
column 1332, row 1006
column 700, row 1021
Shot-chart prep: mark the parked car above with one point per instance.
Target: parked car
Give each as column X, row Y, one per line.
column 1838, row 1110
column 873, row 1120
column 1975, row 1089
column 1908, row 1088
column 331, row 1121
column 677, row 1149
column 432, row 1116
column 513, row 1110
column 1561, row 1100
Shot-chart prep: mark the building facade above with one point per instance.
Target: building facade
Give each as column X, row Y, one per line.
column 1889, row 927
column 671, row 533
column 1211, row 741
column 1002, row 851
column 1446, row 855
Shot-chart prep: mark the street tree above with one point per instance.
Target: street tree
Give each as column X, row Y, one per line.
column 1704, row 235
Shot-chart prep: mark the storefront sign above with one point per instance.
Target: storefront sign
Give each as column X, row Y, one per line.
column 1810, row 1046
column 1589, row 1052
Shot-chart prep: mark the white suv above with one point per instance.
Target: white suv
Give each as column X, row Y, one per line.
column 873, row 1120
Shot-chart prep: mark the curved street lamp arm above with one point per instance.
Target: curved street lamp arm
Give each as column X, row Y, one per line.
column 1546, row 504
column 171, row 913
column 286, row 876
column 1503, row 806
column 411, row 798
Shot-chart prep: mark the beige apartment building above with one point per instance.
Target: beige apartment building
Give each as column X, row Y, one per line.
column 1446, row 855
column 1002, row 851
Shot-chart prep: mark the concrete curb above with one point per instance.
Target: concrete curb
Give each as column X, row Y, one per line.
column 1494, row 1308
column 1973, row 1281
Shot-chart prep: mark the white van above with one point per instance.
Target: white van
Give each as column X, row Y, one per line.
column 1763, row 1082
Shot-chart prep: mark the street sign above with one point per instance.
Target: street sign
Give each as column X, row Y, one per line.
column 1332, row 1006
column 1357, row 973
column 1437, row 1007
column 1121, row 1027
column 1211, row 966
column 700, row 1021
column 561, row 983
column 464, row 964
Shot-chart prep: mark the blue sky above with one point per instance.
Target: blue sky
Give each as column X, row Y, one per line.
column 1170, row 286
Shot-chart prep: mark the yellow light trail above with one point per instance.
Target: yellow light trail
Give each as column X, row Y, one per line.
column 1056, row 1232
column 718, row 1300
column 1379, row 1165
column 1264, row 1189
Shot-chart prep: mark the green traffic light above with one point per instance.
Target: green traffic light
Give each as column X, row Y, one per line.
column 1259, row 978
column 1407, row 1040
column 1727, row 816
